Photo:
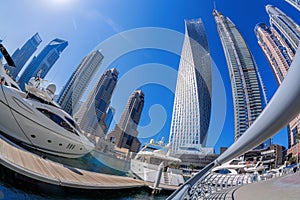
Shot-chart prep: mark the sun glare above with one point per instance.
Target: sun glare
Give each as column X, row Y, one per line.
column 60, row 2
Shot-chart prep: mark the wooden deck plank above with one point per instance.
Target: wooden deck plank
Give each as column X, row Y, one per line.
column 35, row 167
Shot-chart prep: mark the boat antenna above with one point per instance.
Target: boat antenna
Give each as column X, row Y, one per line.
column 215, row 7
column 7, row 57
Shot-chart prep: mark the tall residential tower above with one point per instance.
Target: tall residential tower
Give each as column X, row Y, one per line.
column 125, row 132
column 279, row 43
column 21, row 56
column 77, row 84
column 42, row 63
column 248, row 92
column 192, row 103
column 92, row 114
column 285, row 26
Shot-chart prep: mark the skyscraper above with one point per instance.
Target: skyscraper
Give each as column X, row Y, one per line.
column 125, row 132
column 279, row 43
column 92, row 114
column 295, row 3
column 285, row 26
column 276, row 50
column 21, row 56
column 248, row 92
column 78, row 82
column 192, row 104
column 43, row 62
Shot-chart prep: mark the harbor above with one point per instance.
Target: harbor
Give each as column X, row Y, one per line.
column 40, row 169
column 150, row 100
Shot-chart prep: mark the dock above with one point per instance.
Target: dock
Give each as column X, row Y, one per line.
column 47, row 171
column 37, row 168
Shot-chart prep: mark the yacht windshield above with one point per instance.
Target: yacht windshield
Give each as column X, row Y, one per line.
column 58, row 120
column 32, row 96
column 73, row 123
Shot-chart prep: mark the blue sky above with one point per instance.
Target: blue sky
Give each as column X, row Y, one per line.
column 87, row 25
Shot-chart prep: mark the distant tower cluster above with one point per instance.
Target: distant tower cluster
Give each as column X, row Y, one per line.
column 42, row 63
column 279, row 43
column 295, row 3
column 77, row 84
column 192, row 104
column 125, row 132
column 21, row 56
column 91, row 116
column 248, row 91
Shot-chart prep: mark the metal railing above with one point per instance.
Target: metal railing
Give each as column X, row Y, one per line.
column 222, row 186
column 283, row 107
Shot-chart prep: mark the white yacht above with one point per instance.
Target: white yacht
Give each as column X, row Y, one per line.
column 237, row 166
column 34, row 120
column 149, row 161
column 234, row 166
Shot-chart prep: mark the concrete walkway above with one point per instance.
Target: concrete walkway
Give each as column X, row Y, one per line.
column 281, row 188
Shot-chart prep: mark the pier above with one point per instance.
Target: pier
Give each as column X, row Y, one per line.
column 38, row 168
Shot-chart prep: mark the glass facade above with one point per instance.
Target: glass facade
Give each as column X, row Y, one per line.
column 192, row 103
column 77, row 84
column 42, row 63
column 109, row 116
column 92, row 114
column 21, row 56
column 248, row 91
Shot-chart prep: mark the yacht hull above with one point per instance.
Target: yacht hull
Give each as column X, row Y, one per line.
column 21, row 121
column 148, row 172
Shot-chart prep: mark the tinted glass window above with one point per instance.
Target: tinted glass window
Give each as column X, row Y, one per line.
column 58, row 120
column 72, row 123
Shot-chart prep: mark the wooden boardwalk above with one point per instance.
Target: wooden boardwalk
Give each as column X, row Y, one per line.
column 37, row 168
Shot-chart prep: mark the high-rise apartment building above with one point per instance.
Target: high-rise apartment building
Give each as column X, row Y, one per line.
column 248, row 92
column 125, row 132
column 92, row 114
column 275, row 49
column 21, row 56
column 42, row 63
column 285, row 26
column 192, row 103
column 77, row 84
column 279, row 43
column 295, row 3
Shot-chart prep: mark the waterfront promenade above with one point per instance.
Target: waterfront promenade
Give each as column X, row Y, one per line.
column 286, row 187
